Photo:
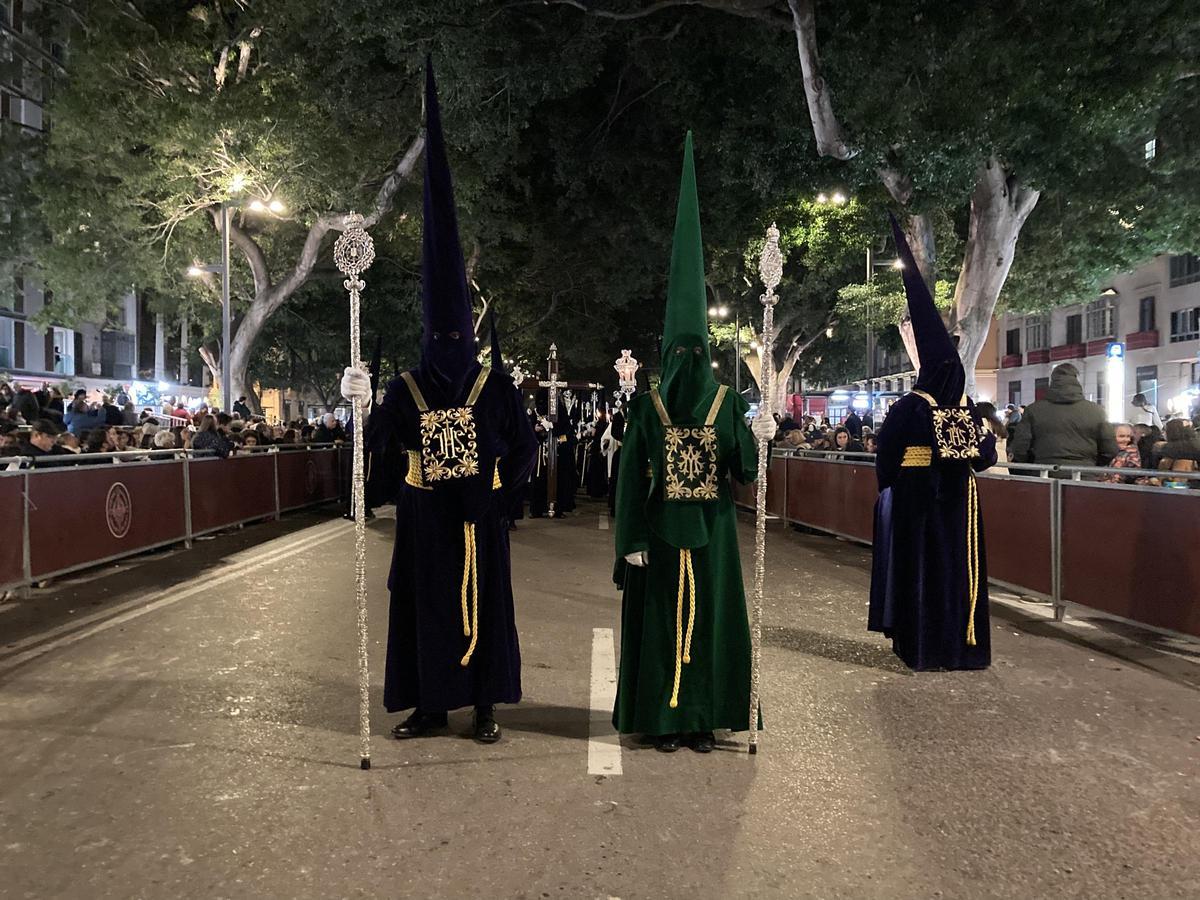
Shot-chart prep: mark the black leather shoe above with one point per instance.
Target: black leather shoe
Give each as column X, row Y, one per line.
column 486, row 729
column 702, row 742
column 419, row 724
column 666, row 743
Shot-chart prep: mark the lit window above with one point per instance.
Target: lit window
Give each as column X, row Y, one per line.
column 1151, row 148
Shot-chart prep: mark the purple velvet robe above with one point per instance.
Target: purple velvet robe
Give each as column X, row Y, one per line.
column 920, row 577
column 425, row 630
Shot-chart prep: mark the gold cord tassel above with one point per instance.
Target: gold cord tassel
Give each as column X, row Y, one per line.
column 471, row 578
column 972, row 555
column 683, row 648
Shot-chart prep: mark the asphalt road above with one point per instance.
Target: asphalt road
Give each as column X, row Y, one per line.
column 185, row 726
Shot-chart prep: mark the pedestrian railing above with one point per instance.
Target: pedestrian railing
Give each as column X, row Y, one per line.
column 59, row 518
column 1127, row 550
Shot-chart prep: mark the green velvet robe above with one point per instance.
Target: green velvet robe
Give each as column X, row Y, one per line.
column 714, row 689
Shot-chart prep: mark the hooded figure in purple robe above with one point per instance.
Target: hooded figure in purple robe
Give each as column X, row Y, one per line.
column 929, row 575
column 452, row 636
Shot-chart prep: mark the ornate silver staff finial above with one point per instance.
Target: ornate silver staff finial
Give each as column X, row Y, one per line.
column 354, row 251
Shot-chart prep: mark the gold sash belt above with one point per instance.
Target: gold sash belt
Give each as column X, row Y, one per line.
column 470, row 580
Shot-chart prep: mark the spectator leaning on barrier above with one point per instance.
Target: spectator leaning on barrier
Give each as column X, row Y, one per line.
column 1063, row 429
column 1180, row 452
column 209, row 438
column 1144, row 412
column 10, row 444
column 43, row 440
column 1127, row 456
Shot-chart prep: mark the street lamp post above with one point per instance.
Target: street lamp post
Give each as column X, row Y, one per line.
column 226, row 315
column 275, row 207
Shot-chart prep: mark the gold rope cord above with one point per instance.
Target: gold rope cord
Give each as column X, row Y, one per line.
column 972, row 554
column 470, row 579
column 683, row 649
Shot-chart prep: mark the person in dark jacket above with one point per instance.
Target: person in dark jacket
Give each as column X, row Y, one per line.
column 854, row 425
column 1063, row 429
column 242, row 409
column 209, row 437
column 43, row 440
column 25, row 404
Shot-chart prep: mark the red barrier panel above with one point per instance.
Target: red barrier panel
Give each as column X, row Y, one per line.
column 308, row 476
column 746, row 494
column 1133, row 553
column 227, row 491
column 1017, row 531
column 834, row 497
column 80, row 517
column 12, row 527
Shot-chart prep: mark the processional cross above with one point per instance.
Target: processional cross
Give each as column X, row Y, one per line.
column 552, row 384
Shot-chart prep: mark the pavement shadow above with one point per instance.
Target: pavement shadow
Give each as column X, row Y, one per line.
column 835, row 648
column 569, row 722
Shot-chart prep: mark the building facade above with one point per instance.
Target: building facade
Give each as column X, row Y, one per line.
column 1153, row 311
column 130, row 345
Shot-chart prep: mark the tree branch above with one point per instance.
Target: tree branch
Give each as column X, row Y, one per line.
column 760, row 10
column 831, row 140
column 337, row 222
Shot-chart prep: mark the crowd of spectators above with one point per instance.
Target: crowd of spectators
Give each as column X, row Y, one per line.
column 43, row 423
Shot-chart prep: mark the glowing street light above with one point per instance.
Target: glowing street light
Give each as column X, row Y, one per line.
column 838, row 198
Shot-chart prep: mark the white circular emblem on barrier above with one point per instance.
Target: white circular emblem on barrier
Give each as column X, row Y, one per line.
column 310, row 478
column 118, row 510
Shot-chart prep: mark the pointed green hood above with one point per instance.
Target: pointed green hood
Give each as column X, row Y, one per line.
column 687, row 379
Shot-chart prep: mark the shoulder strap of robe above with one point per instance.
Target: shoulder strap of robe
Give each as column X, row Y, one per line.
column 418, row 397
column 928, row 398
column 478, row 387
column 658, row 405
column 716, row 405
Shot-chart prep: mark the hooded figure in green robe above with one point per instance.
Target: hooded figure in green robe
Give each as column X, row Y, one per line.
column 685, row 640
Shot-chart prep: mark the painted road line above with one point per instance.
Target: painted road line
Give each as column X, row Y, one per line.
column 604, row 521
column 163, row 599
column 242, row 561
column 604, row 744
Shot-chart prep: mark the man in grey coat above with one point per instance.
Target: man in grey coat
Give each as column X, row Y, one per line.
column 1063, row 429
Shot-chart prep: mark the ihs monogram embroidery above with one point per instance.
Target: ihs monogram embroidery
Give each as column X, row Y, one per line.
column 956, row 434
column 448, row 440
column 448, row 447
column 691, row 457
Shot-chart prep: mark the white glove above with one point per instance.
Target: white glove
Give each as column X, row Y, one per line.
column 636, row 559
column 357, row 383
column 763, row 427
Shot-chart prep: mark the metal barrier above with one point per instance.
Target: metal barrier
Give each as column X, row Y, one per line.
column 1127, row 550
column 73, row 515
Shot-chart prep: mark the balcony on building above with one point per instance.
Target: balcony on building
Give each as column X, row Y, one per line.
column 1141, row 340
column 1098, row 347
column 1068, row 351
column 1037, row 357
column 1011, row 361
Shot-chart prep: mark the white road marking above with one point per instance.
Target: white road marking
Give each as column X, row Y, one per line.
column 134, row 609
column 604, row 521
column 604, row 744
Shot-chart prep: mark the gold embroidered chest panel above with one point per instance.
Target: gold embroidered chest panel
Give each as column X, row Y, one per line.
column 956, row 435
column 690, row 467
column 449, row 448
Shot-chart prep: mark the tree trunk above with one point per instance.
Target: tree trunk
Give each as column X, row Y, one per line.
column 1000, row 205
